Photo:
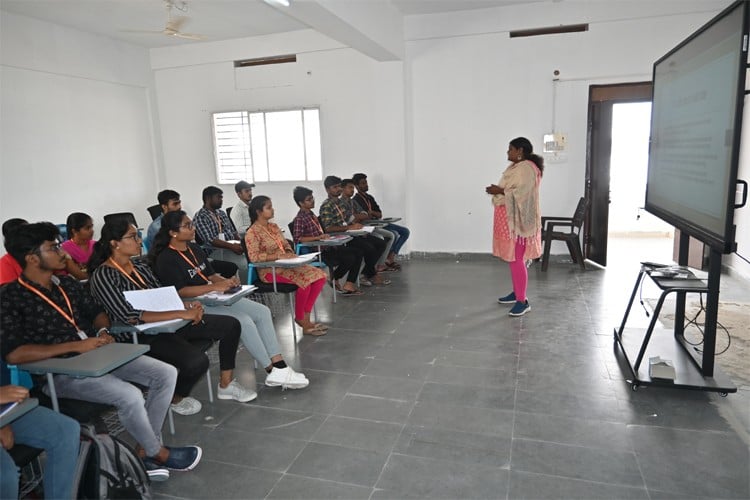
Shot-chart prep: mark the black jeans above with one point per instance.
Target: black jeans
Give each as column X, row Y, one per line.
column 372, row 248
column 345, row 261
column 190, row 361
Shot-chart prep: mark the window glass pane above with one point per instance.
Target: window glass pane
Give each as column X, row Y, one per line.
column 232, row 147
column 258, row 142
column 286, row 155
column 312, row 145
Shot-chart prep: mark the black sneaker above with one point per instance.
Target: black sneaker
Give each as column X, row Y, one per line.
column 183, row 458
column 155, row 471
column 520, row 309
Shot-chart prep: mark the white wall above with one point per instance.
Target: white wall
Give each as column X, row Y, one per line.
column 473, row 89
column 77, row 120
column 361, row 112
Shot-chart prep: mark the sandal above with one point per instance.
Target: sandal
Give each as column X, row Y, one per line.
column 321, row 327
column 314, row 332
column 393, row 266
column 381, row 281
column 350, row 292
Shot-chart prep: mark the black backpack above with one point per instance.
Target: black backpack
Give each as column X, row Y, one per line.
column 109, row 468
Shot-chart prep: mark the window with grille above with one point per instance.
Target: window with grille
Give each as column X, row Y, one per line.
column 266, row 146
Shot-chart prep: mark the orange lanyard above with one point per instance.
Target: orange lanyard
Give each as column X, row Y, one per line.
column 343, row 217
column 194, row 265
column 315, row 220
column 367, row 202
column 274, row 238
column 65, row 315
column 218, row 220
column 124, row 273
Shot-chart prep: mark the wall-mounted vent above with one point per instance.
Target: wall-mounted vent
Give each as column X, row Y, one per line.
column 551, row 30
column 260, row 61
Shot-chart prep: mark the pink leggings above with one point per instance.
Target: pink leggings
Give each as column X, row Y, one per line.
column 304, row 298
column 518, row 272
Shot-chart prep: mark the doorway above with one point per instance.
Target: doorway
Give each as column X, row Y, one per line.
column 616, row 166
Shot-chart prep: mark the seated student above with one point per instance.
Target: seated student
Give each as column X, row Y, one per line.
column 344, row 260
column 368, row 202
column 179, row 262
column 43, row 316
column 10, row 270
column 215, row 232
column 80, row 245
column 169, row 201
column 241, row 212
column 265, row 243
column 355, row 213
column 113, row 272
column 333, row 219
column 59, row 437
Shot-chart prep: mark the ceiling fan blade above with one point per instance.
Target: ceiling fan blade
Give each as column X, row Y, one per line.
column 190, row 36
column 176, row 23
column 144, row 32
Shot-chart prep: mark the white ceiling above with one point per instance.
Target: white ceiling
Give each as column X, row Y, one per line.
column 217, row 19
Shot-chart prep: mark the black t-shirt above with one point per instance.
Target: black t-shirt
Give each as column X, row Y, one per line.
column 183, row 269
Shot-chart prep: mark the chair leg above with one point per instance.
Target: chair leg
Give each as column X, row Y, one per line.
column 210, row 388
column 170, row 417
column 572, row 251
column 291, row 312
column 579, row 254
column 545, row 255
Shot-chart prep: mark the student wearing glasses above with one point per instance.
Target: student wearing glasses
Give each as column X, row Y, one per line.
column 179, row 262
column 113, row 271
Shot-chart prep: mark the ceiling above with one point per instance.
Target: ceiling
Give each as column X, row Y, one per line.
column 217, row 19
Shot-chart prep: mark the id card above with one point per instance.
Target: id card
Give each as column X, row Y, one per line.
column 222, row 236
column 82, row 334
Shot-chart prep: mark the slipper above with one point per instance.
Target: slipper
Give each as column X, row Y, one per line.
column 394, row 266
column 382, row 282
column 350, row 292
column 321, row 327
column 365, row 282
column 314, row 332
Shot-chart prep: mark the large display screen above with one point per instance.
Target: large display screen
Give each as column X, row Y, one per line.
column 695, row 129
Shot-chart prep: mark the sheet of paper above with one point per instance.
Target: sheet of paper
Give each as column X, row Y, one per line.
column 301, row 259
column 222, row 297
column 362, row 230
column 155, row 299
column 163, row 326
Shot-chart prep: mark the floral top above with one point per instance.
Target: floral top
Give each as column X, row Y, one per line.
column 265, row 244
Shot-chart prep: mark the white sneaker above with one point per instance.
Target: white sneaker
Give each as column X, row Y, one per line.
column 188, row 406
column 286, row 378
column 235, row 391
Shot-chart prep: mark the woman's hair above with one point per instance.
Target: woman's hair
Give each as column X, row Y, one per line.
column 300, row 193
column 170, row 222
column 111, row 231
column 256, row 205
column 76, row 221
column 524, row 144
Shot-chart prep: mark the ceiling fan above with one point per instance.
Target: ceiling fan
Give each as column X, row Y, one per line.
column 174, row 24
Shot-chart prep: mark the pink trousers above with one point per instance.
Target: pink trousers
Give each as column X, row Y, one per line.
column 304, row 298
column 518, row 272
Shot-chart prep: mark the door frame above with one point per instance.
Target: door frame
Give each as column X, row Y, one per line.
column 598, row 151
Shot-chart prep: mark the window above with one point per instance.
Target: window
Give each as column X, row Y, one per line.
column 267, row 146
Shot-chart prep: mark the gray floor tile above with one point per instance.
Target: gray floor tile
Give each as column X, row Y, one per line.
column 457, row 395
column 356, row 433
column 212, row 479
column 325, row 391
column 666, row 454
column 337, row 463
column 414, row 477
column 374, row 408
column 252, row 449
column 387, row 387
column 401, row 369
column 482, row 377
column 528, row 486
column 577, row 462
column 580, row 432
column 276, row 422
column 454, row 446
column 462, row 418
column 305, row 488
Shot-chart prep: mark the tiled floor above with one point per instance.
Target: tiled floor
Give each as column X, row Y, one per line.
column 426, row 388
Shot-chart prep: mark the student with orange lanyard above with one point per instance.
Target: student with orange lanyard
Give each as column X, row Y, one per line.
column 113, row 272
column 179, row 262
column 265, row 243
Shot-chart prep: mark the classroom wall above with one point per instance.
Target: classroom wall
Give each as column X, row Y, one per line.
column 473, row 88
column 77, row 128
column 361, row 112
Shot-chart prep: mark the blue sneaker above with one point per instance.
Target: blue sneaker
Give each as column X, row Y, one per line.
column 155, row 471
column 508, row 299
column 520, row 309
column 183, row 458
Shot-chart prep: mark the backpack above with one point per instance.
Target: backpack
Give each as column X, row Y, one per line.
column 109, row 468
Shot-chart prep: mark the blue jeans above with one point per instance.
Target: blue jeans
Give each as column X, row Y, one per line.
column 257, row 334
column 402, row 234
column 59, row 436
column 142, row 419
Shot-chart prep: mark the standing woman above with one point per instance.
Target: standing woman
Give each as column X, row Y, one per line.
column 80, row 246
column 517, row 228
column 265, row 243
column 179, row 262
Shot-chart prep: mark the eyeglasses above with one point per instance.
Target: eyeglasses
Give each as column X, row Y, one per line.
column 188, row 226
column 134, row 236
column 52, row 248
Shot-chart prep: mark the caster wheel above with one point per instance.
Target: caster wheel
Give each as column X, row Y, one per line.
column 634, row 387
column 723, row 394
